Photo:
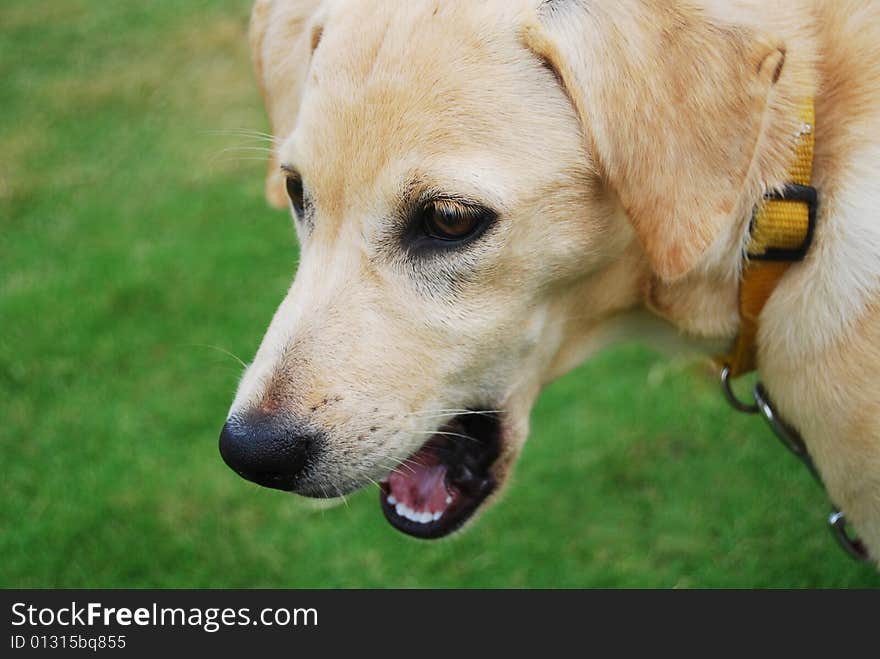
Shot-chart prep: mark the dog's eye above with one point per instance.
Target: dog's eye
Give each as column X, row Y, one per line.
column 451, row 221
column 296, row 194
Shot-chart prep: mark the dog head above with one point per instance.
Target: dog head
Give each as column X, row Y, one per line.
column 479, row 189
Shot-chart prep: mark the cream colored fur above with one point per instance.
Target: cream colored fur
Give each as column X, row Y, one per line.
column 623, row 145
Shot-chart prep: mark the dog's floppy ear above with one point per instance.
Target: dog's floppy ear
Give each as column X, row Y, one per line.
column 672, row 105
column 283, row 36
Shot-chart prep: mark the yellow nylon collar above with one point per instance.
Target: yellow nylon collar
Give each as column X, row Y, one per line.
column 781, row 234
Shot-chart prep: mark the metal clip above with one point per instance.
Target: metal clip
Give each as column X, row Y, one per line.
column 840, row 529
column 786, row 434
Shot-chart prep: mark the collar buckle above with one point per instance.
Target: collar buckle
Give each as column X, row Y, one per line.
column 805, row 194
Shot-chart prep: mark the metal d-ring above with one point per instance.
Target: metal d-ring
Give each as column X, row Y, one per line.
column 786, row 434
column 735, row 402
column 840, row 529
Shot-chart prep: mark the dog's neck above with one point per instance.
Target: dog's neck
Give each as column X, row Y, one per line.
column 698, row 312
column 704, row 303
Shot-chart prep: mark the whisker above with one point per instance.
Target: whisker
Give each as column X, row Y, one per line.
column 392, row 468
column 241, row 159
column 218, row 349
column 242, row 150
column 444, row 433
column 427, row 414
column 246, row 147
column 244, row 132
column 340, row 495
column 395, row 462
column 373, row 482
column 431, row 413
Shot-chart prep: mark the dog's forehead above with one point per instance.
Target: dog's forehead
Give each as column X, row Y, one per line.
column 400, row 86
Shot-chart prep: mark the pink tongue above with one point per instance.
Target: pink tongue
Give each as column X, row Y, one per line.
column 419, row 486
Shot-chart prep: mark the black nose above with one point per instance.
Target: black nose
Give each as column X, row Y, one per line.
column 270, row 450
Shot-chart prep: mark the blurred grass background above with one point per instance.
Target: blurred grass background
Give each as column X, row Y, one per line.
column 131, row 237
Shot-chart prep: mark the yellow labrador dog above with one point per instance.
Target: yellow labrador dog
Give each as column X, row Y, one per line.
column 488, row 191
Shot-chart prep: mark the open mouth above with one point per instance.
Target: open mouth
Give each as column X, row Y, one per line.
column 439, row 487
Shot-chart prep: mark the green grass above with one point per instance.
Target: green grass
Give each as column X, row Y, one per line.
column 129, row 240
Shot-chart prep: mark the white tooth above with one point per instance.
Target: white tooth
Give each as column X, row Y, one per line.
column 436, row 516
column 424, row 518
column 391, row 500
column 448, row 499
column 399, row 509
